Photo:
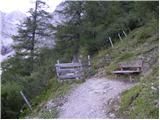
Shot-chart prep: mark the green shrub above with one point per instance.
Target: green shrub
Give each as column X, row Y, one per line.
column 11, row 99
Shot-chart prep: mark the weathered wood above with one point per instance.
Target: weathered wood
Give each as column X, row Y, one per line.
column 57, row 68
column 111, row 42
column 69, row 76
column 125, row 71
column 64, row 65
column 131, row 64
column 124, row 33
column 119, row 36
column 89, row 60
column 129, row 67
column 69, row 70
column 25, row 99
column 72, row 70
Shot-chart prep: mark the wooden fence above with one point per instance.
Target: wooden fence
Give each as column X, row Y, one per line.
column 74, row 70
column 69, row 70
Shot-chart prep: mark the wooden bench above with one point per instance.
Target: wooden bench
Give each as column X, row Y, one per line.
column 129, row 68
column 69, row 71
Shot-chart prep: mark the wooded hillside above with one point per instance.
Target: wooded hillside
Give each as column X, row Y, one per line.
column 85, row 31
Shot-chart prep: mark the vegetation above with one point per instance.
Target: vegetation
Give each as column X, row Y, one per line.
column 52, row 91
column 142, row 100
column 85, row 31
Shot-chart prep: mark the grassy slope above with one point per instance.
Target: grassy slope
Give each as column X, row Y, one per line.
column 142, row 100
column 54, row 90
column 138, row 102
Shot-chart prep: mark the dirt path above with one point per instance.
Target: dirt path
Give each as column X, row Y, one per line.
column 89, row 100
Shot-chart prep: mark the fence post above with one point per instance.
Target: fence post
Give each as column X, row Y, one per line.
column 57, row 61
column 80, row 63
column 119, row 36
column 57, row 68
column 111, row 41
column 89, row 60
column 124, row 33
column 25, row 99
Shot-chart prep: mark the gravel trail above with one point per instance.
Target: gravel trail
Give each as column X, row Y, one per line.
column 89, row 100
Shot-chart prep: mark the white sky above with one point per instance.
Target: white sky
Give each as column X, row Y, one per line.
column 24, row 5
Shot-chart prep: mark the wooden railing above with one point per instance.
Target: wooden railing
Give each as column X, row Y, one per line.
column 69, row 70
column 74, row 70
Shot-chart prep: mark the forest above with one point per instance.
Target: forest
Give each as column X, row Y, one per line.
column 84, row 31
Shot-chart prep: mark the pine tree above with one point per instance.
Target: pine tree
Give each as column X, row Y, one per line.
column 32, row 34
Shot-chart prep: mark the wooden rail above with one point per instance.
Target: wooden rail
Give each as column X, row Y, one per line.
column 74, row 70
column 69, row 71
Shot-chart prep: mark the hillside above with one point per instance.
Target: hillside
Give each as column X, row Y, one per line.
column 141, row 101
column 140, row 43
column 87, row 28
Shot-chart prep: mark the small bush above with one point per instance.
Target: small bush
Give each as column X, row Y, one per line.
column 11, row 99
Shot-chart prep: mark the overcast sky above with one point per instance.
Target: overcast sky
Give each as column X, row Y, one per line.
column 24, row 5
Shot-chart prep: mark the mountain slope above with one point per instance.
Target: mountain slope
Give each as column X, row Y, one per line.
column 141, row 101
column 9, row 26
column 142, row 43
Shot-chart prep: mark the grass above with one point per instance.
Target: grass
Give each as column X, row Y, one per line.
column 48, row 114
column 55, row 89
column 140, row 101
column 127, row 99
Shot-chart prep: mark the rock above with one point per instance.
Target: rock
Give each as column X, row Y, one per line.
column 153, row 88
column 111, row 115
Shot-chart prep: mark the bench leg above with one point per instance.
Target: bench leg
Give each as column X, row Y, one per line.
column 115, row 76
column 130, row 78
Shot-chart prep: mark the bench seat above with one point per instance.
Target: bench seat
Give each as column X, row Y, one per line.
column 129, row 68
column 125, row 71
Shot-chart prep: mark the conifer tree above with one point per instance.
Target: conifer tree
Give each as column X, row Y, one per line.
column 32, row 33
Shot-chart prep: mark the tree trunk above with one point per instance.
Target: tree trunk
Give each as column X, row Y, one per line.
column 33, row 36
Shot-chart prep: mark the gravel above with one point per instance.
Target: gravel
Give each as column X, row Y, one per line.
column 91, row 98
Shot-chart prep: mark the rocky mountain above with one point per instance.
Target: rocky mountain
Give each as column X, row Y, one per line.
column 57, row 17
column 9, row 23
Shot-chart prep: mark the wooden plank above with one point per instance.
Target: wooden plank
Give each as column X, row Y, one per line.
column 111, row 41
column 68, row 65
column 89, row 60
column 69, row 70
column 25, row 99
column 66, row 72
column 131, row 64
column 69, row 76
column 57, row 61
column 125, row 72
column 119, row 36
column 124, row 33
